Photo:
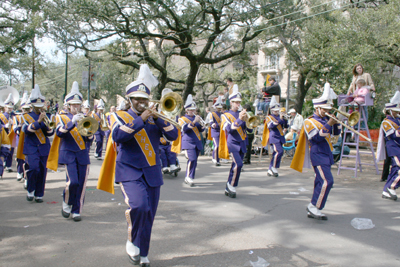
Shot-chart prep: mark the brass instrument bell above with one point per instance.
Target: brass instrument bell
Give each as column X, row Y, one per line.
column 352, row 118
column 252, row 121
column 87, row 126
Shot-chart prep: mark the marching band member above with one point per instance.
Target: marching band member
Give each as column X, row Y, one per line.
column 390, row 134
column 233, row 140
column 69, row 149
column 36, row 146
column 191, row 139
column 137, row 132
column 215, row 126
column 7, row 118
column 314, row 143
column 168, row 158
column 5, row 146
column 19, row 121
column 273, row 134
column 86, row 108
column 99, row 135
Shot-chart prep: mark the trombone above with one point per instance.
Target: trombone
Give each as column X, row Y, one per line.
column 87, row 126
column 353, row 119
column 203, row 123
column 171, row 106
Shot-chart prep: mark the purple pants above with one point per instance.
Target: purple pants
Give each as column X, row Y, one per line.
column 216, row 147
column 74, row 192
column 192, row 155
column 393, row 180
column 167, row 157
column 36, row 174
column 99, row 144
column 276, row 155
column 20, row 166
column 9, row 158
column 236, row 168
column 143, row 202
column 322, row 185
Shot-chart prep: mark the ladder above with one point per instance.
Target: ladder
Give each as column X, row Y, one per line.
column 356, row 143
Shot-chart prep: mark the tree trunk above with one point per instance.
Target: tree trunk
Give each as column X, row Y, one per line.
column 302, row 89
column 191, row 79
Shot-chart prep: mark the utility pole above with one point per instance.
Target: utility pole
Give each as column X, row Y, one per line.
column 33, row 62
column 66, row 71
column 288, row 90
column 89, row 78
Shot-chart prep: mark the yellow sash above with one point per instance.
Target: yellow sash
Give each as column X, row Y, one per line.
column 52, row 161
column 299, row 156
column 177, row 144
column 39, row 133
column 107, row 171
column 320, row 126
column 3, row 118
column 216, row 118
column 195, row 130
column 223, row 144
column 265, row 136
column 20, row 147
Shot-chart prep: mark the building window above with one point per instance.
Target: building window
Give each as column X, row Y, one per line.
column 271, row 61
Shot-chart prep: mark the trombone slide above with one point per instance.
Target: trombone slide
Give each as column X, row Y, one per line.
column 351, row 129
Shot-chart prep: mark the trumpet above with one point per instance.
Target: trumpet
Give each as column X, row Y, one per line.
column 49, row 124
column 284, row 115
column 203, row 123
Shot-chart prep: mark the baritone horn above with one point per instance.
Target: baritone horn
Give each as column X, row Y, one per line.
column 103, row 123
column 252, row 121
column 87, row 126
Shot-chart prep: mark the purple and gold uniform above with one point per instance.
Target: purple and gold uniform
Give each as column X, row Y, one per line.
column 235, row 131
column 18, row 121
column 191, row 142
column 391, row 129
column 7, row 119
column 4, row 149
column 99, row 136
column 215, row 132
column 168, row 158
column 36, row 150
column 276, row 138
column 74, row 154
column 141, row 178
column 319, row 133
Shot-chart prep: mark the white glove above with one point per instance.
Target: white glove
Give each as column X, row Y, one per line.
column 77, row 118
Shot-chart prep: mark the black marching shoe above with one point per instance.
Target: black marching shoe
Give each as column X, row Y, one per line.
column 230, row 193
column 38, row 200
column 76, row 217
column 135, row 260
column 65, row 214
column 29, row 198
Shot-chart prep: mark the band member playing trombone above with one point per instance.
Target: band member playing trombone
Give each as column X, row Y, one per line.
column 36, row 146
column 99, row 136
column 389, row 138
column 192, row 127
column 314, row 143
column 233, row 140
column 273, row 134
column 69, row 149
column 137, row 167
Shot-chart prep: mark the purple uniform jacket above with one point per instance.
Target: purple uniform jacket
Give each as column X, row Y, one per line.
column 320, row 148
column 234, row 140
column 69, row 150
column 392, row 136
column 215, row 131
column 275, row 132
column 135, row 152
column 9, row 117
column 32, row 144
column 190, row 140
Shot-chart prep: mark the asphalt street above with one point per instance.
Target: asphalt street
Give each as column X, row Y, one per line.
column 200, row 226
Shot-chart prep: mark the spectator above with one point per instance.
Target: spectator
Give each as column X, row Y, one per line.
column 250, row 139
column 295, row 123
column 358, row 72
column 269, row 91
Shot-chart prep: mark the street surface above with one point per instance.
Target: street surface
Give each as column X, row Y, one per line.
column 200, row 226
